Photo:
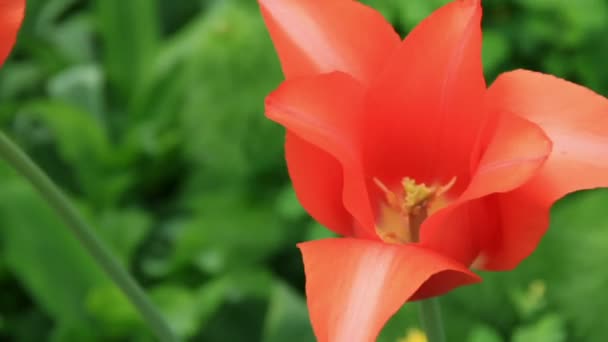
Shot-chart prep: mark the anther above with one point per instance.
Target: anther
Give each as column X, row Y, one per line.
column 404, row 212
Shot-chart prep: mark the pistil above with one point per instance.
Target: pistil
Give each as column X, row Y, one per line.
column 404, row 211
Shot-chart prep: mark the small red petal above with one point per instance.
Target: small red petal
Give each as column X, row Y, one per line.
column 523, row 222
column 11, row 15
column 354, row 286
column 472, row 224
column 426, row 107
column 573, row 117
column 515, row 153
column 313, row 37
column 319, row 188
column 576, row 120
column 459, row 230
column 325, row 111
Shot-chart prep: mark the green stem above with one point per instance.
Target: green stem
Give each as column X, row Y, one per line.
column 430, row 317
column 81, row 230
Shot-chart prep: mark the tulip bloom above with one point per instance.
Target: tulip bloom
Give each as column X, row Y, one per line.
column 11, row 15
column 402, row 149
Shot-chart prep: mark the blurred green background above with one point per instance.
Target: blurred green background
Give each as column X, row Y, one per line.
column 149, row 113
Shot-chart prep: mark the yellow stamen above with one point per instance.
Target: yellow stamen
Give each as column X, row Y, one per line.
column 391, row 198
column 416, row 194
column 402, row 215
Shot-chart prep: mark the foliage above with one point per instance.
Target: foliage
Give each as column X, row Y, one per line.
column 150, row 114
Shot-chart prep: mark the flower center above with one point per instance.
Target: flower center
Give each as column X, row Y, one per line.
column 404, row 211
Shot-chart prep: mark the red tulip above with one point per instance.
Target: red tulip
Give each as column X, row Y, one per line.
column 401, row 148
column 11, row 15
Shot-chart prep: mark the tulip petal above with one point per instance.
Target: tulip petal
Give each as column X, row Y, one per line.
column 576, row 121
column 353, row 286
column 456, row 231
column 318, row 187
column 427, row 103
column 515, row 153
column 573, row 117
column 523, row 222
column 493, row 233
column 11, row 15
column 325, row 112
column 471, row 226
column 313, row 37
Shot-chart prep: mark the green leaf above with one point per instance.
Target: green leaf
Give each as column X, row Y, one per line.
column 73, row 39
column 81, row 86
column 48, row 13
column 288, row 205
column 232, row 287
column 482, row 333
column 496, row 50
column 403, row 322
column 181, row 307
column 43, row 255
column 547, row 329
column 81, row 141
column 317, row 232
column 413, row 12
column 576, row 245
column 17, row 79
column 109, row 306
column 531, row 301
column 215, row 240
column 195, row 78
column 130, row 33
column 287, row 317
column 123, row 231
column 190, row 311
column 478, row 302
